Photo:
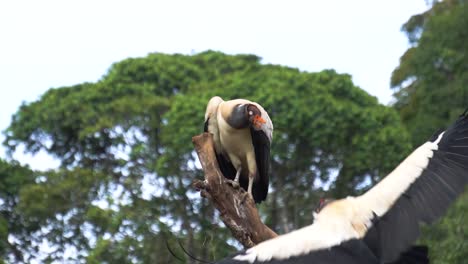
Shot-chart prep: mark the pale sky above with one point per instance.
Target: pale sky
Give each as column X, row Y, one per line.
column 45, row 44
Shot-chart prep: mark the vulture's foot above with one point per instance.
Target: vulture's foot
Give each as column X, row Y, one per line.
column 246, row 196
column 234, row 184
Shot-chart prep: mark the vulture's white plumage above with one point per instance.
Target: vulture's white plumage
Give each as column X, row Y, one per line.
column 242, row 133
column 381, row 224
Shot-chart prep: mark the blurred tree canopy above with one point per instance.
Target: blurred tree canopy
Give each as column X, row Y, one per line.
column 431, row 85
column 127, row 162
column 13, row 178
column 431, row 81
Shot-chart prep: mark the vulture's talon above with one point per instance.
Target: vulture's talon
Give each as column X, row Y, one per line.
column 234, row 184
column 244, row 197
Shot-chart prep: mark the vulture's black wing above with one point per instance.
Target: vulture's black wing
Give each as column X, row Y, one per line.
column 414, row 255
column 261, row 145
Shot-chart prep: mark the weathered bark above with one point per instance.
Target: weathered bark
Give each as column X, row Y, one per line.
column 238, row 211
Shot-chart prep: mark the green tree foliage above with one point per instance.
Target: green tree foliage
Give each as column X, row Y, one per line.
column 431, row 85
column 127, row 162
column 431, row 80
column 13, row 177
column 448, row 240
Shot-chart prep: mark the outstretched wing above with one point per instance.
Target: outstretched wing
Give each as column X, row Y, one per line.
column 350, row 252
column 420, row 189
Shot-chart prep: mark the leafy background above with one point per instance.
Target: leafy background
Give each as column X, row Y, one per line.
column 127, row 163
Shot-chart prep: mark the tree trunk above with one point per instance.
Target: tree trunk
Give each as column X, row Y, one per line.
column 237, row 210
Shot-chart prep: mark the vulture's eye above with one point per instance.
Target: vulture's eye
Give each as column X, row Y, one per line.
column 250, row 113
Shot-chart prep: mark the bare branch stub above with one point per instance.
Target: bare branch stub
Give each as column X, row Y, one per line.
column 238, row 212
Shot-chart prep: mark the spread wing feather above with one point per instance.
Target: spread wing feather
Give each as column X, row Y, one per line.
column 426, row 198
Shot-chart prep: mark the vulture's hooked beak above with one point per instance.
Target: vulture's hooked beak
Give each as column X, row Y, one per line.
column 258, row 121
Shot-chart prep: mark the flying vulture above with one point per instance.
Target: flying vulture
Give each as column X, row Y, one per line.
column 242, row 133
column 380, row 225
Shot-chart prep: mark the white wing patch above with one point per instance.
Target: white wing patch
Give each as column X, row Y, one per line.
column 296, row 243
column 382, row 196
column 346, row 219
column 212, row 113
column 332, row 227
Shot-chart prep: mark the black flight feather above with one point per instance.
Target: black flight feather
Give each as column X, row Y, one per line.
column 205, row 127
column 427, row 198
column 261, row 145
column 414, row 255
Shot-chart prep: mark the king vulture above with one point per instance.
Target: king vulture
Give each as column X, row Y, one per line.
column 242, row 133
column 381, row 224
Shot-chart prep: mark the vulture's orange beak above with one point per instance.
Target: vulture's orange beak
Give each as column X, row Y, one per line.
column 258, row 121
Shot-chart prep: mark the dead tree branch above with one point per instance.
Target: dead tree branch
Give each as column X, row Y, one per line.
column 239, row 214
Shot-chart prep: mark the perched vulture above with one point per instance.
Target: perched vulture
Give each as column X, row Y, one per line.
column 242, row 133
column 380, row 225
